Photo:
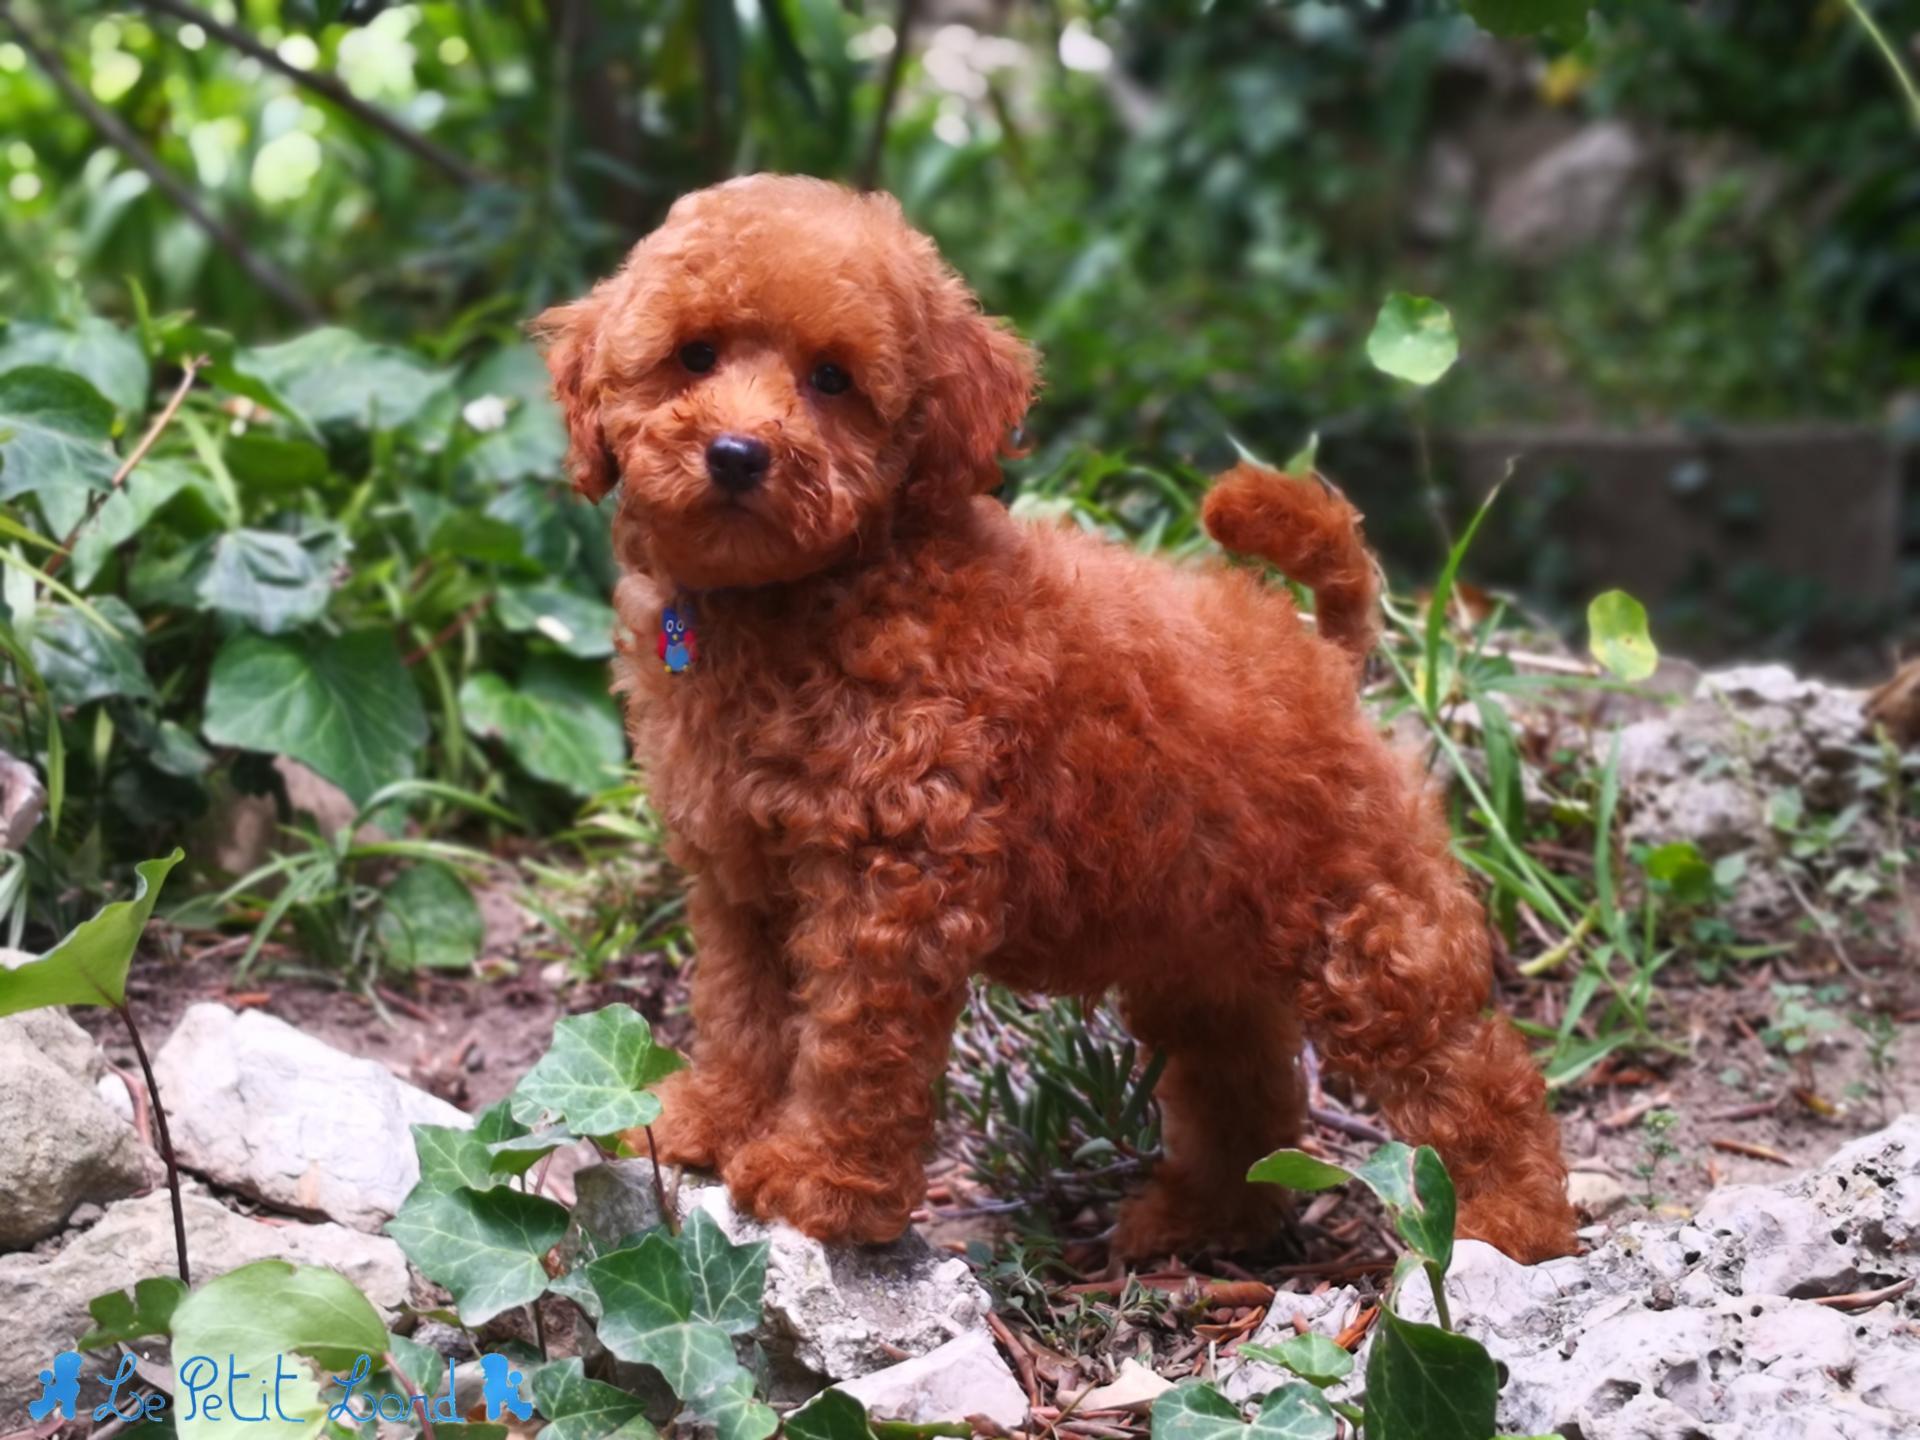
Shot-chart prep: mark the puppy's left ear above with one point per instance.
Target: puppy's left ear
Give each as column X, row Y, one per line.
column 568, row 332
column 980, row 383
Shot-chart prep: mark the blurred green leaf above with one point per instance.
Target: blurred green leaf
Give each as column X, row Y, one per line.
column 81, row 661
column 147, row 1309
column 582, row 625
column 559, row 723
column 429, row 920
column 55, row 430
column 1617, row 635
column 1564, row 20
column 96, row 350
column 1413, row 339
column 89, row 967
column 334, row 377
column 342, row 705
column 1312, row 1356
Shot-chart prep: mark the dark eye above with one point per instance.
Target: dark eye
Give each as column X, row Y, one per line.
column 698, row 356
column 830, row 379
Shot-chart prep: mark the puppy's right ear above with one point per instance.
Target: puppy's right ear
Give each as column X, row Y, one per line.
column 568, row 331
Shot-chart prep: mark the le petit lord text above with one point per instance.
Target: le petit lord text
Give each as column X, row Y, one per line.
column 199, row 1382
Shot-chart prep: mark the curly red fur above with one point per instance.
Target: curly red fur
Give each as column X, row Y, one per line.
column 923, row 742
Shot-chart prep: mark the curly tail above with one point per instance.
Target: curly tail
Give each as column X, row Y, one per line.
column 1308, row 531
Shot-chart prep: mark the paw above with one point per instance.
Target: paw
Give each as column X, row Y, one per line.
column 697, row 1127
column 1172, row 1216
column 1519, row 1229
column 781, row 1178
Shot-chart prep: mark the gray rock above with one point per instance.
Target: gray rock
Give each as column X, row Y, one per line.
column 1569, row 196
column 276, row 1114
column 59, row 1143
column 43, row 1297
column 1708, row 1327
column 834, row 1311
column 1596, row 1193
column 962, row 1378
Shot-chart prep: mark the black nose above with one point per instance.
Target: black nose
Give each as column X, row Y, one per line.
column 737, row 463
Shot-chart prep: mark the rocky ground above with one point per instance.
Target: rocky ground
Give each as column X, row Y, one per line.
column 1723, row 1294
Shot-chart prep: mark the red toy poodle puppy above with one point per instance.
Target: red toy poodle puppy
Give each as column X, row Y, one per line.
column 901, row 739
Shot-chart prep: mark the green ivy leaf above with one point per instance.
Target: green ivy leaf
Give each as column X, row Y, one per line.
column 581, row 1409
column 1311, row 1356
column 334, row 377
column 1617, row 635
column 262, row 1312
column 119, row 1315
column 429, row 920
column 727, row 1279
column 271, row 581
column 273, row 464
column 531, row 445
column 582, row 625
column 595, row 1074
column 830, row 1415
column 128, row 511
column 1413, row 339
column 487, row 1247
column 560, row 724
column 1425, row 1383
column 647, row 1300
column 1418, row 1195
column 1298, row 1170
column 342, row 705
column 1564, row 20
column 1194, row 1410
column 451, row 1158
column 81, row 661
column 734, row 1413
column 89, row 967
column 96, row 350
column 55, row 437
column 523, row 1152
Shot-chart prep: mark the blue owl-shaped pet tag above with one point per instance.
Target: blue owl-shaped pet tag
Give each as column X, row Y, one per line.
column 678, row 646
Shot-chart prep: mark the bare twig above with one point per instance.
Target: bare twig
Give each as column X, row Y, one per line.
column 447, row 631
column 903, row 19
column 1349, row 1125
column 667, row 1217
column 328, row 88
column 1750, row 1150
column 190, row 367
column 1866, row 1299
column 121, row 136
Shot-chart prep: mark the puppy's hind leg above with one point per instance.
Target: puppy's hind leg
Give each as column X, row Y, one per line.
column 1398, row 1001
column 1231, row 1093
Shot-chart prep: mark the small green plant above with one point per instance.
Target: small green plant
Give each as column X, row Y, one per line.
column 1058, row 1104
column 1878, row 1031
column 1800, row 1019
column 1422, row 1382
column 1656, row 1148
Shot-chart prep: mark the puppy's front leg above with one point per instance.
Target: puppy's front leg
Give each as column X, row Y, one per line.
column 743, row 1048
column 881, row 956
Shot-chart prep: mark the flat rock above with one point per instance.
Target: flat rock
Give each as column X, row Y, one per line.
column 269, row 1111
column 43, row 1297
column 835, row 1311
column 60, row 1144
column 962, row 1378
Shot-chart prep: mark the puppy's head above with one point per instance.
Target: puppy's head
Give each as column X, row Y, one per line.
column 775, row 370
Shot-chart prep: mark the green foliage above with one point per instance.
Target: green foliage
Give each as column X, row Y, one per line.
column 147, row 1309
column 1423, row 1382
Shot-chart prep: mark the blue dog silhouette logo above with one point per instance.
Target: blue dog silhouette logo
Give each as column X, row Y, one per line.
column 60, row 1388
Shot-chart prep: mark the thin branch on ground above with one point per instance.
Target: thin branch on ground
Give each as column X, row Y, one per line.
column 190, row 368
